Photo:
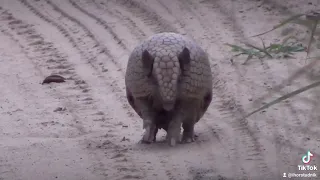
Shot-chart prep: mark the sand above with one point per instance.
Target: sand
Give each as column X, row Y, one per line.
column 84, row 128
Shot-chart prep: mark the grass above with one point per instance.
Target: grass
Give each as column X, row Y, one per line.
column 285, row 49
column 284, row 97
column 311, row 21
column 274, row 50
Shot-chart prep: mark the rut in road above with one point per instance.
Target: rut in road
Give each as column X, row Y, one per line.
column 229, row 108
column 277, row 130
column 101, row 22
column 159, row 30
column 100, row 35
column 45, row 56
column 86, row 103
column 66, row 33
column 136, row 9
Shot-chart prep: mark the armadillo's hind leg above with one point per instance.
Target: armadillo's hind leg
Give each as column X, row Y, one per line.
column 150, row 134
column 188, row 132
column 148, row 116
column 193, row 114
column 173, row 132
column 155, row 134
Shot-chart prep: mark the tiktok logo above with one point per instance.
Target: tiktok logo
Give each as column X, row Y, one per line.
column 307, row 158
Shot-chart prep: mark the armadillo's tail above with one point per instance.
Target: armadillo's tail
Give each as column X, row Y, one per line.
column 168, row 72
column 167, row 82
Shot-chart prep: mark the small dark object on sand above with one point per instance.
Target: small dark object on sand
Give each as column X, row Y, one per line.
column 53, row 78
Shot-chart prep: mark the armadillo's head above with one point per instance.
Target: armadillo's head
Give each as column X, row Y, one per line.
column 165, row 71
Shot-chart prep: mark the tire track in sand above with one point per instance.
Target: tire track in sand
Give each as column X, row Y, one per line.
column 90, row 51
column 263, row 128
column 284, row 160
column 163, row 163
column 155, row 169
column 164, row 159
column 249, row 139
column 150, row 18
column 100, row 22
column 121, row 19
column 199, row 148
column 94, row 54
column 45, row 56
column 143, row 9
column 270, row 127
column 34, row 47
column 229, row 108
column 116, row 154
column 116, row 75
column 86, row 32
column 106, row 21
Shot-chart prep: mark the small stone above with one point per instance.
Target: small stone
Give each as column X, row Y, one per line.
column 59, row 109
column 53, row 78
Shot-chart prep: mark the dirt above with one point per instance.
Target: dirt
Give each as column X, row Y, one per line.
column 85, row 129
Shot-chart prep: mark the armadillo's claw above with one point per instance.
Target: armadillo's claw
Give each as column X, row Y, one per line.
column 187, row 140
column 188, row 137
column 173, row 133
column 172, row 142
column 173, row 139
column 149, row 135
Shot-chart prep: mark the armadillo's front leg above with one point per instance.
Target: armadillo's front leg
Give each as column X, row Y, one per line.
column 147, row 114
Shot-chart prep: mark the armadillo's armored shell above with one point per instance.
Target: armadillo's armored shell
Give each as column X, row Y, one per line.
column 194, row 82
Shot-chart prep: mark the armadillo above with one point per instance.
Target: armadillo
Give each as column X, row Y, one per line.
column 169, row 84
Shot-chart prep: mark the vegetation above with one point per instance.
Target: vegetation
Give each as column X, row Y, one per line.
column 285, row 49
column 274, row 50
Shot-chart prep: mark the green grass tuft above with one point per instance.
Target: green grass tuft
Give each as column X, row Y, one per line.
column 311, row 21
column 284, row 50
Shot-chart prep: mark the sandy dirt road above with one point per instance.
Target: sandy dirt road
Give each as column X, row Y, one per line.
column 84, row 129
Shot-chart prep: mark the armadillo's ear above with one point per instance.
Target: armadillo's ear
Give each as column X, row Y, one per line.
column 147, row 62
column 184, row 58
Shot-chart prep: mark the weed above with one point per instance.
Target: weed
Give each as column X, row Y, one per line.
column 311, row 20
column 285, row 50
column 286, row 96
